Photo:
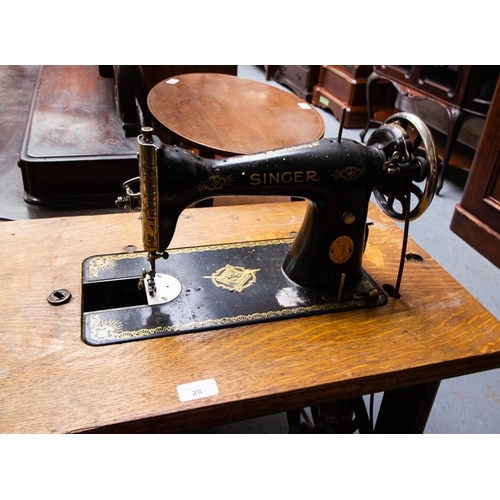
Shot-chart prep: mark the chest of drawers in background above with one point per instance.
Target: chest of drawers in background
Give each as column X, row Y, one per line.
column 342, row 87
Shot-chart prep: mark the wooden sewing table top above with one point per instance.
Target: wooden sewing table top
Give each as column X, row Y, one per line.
column 51, row 382
column 228, row 115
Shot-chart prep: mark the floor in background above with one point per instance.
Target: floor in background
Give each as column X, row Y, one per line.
column 469, row 404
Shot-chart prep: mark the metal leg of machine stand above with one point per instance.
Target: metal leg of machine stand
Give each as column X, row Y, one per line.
column 338, row 417
column 406, row 410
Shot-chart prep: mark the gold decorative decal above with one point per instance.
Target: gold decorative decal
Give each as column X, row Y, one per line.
column 104, row 330
column 108, row 262
column 227, row 246
column 109, row 331
column 308, row 145
column 349, row 173
column 215, row 183
column 341, row 250
column 233, row 278
column 148, row 172
column 98, row 264
column 298, row 177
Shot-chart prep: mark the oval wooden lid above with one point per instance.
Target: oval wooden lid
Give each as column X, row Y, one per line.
column 230, row 115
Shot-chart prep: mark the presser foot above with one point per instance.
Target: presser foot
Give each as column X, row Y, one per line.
column 159, row 288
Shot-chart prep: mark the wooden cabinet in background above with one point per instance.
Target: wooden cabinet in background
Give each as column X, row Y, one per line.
column 477, row 217
column 465, row 92
column 80, row 139
column 468, row 88
column 300, row 79
column 157, row 73
column 344, row 87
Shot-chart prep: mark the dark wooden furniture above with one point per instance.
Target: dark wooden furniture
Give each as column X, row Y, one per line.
column 477, row 217
column 228, row 115
column 156, row 73
column 464, row 91
column 75, row 151
column 80, row 139
column 300, row 79
column 344, row 87
column 51, row 382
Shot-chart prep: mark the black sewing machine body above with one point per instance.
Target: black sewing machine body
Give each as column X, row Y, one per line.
column 336, row 177
column 321, row 267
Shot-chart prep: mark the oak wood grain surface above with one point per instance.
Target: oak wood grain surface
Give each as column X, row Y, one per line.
column 51, row 382
column 226, row 114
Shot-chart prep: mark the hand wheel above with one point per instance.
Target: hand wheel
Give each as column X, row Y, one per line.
column 420, row 146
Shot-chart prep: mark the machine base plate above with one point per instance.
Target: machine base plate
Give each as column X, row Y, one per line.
column 222, row 286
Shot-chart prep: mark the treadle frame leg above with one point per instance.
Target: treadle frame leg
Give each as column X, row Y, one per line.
column 337, row 417
column 406, row 410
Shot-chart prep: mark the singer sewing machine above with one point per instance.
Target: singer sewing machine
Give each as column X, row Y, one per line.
column 162, row 291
